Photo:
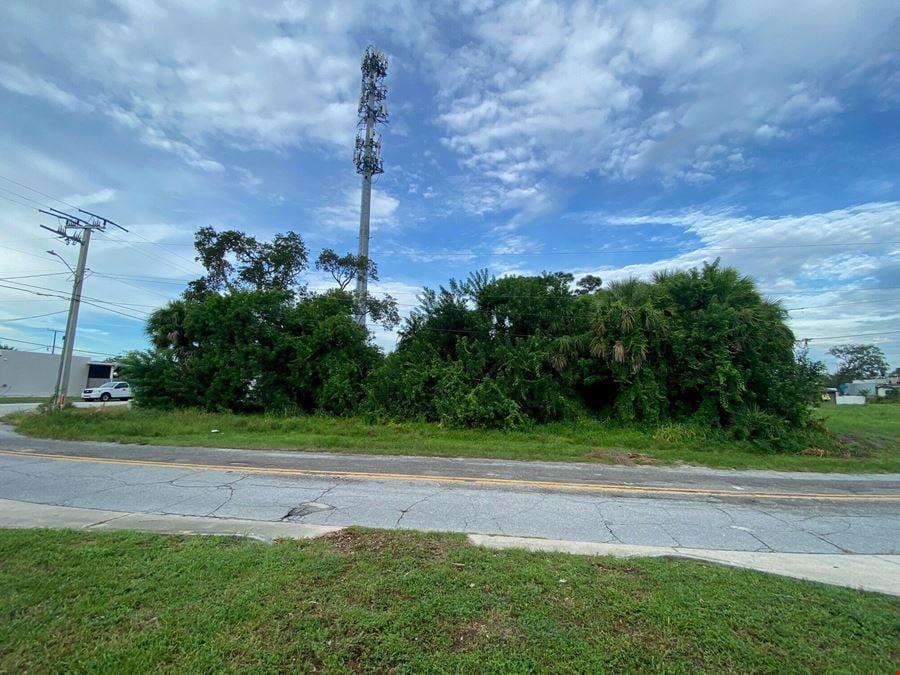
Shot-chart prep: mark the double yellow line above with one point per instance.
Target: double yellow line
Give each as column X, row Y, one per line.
column 503, row 482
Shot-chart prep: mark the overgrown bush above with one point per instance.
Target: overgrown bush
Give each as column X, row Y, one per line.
column 254, row 351
column 700, row 347
column 687, row 351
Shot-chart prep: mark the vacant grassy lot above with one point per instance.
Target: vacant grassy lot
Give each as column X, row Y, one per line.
column 871, row 438
column 873, row 424
column 377, row 601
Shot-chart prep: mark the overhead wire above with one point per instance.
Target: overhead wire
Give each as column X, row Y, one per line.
column 40, row 344
column 36, row 191
column 16, row 201
column 85, row 299
column 107, row 234
column 35, row 316
column 32, row 276
column 856, row 335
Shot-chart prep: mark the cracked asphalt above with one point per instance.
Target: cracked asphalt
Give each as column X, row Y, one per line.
column 110, row 477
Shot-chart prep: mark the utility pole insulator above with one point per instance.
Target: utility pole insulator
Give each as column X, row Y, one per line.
column 367, row 157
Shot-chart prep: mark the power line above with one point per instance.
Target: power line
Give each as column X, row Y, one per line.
column 829, row 306
column 21, row 196
column 36, row 316
column 134, row 247
column 32, row 276
column 146, row 290
column 838, row 337
column 61, row 201
column 87, row 300
column 143, row 279
column 16, row 201
column 18, row 250
column 36, row 191
column 39, row 344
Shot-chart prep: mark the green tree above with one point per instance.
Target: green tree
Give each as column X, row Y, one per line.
column 346, row 268
column 247, row 336
column 589, row 283
column 255, row 350
column 858, row 362
column 477, row 353
column 237, row 261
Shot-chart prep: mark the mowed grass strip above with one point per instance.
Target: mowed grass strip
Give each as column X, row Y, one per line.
column 24, row 399
column 410, row 602
column 870, row 438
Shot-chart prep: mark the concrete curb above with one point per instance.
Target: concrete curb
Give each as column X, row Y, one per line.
column 15, row 514
column 878, row 573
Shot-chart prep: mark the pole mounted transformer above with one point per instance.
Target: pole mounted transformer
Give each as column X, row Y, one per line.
column 367, row 157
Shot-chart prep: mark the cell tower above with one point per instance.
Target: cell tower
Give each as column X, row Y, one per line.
column 367, row 156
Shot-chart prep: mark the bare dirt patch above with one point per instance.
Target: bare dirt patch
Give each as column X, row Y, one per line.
column 850, row 446
column 413, row 544
column 474, row 633
column 621, row 457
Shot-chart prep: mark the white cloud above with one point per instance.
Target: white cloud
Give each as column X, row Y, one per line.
column 623, row 88
column 850, row 289
column 269, row 75
column 345, row 215
column 99, row 197
column 19, row 81
column 513, row 244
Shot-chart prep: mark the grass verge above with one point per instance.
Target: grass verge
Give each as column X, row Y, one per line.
column 24, row 399
column 409, row 602
column 870, row 438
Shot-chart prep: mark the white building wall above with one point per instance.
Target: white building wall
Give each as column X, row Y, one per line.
column 34, row 374
column 850, row 400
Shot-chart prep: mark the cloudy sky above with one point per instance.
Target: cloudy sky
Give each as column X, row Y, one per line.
column 613, row 138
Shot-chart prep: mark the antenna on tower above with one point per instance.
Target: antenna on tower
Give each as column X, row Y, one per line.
column 367, row 157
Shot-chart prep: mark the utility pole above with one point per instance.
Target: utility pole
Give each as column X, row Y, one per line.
column 367, row 157
column 54, row 331
column 82, row 236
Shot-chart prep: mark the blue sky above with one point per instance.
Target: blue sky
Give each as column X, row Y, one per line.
column 613, row 138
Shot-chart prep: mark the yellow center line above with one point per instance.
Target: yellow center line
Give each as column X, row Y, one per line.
column 475, row 480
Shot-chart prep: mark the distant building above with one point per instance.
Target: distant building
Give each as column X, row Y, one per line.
column 875, row 386
column 34, row 374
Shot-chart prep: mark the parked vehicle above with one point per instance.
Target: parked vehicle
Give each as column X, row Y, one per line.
column 108, row 391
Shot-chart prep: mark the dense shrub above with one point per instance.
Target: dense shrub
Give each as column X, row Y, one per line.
column 687, row 352
column 255, row 350
column 699, row 347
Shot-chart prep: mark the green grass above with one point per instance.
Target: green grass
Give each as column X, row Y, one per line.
column 24, row 399
column 408, row 602
column 871, row 438
column 879, row 423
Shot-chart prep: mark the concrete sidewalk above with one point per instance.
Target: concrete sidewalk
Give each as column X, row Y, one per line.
column 878, row 573
column 15, row 514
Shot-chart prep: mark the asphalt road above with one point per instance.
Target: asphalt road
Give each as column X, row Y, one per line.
column 651, row 506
